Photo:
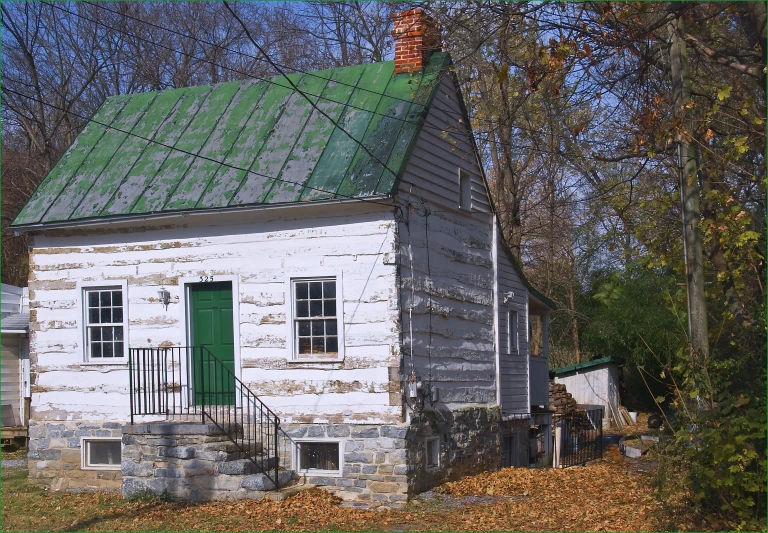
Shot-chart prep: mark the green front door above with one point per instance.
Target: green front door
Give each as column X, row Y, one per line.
column 213, row 335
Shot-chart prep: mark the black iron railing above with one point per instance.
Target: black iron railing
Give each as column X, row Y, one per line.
column 189, row 382
column 581, row 436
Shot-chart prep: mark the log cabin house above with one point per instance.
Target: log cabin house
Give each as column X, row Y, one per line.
column 235, row 287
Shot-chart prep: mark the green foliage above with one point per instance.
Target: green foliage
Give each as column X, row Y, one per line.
column 719, row 440
column 628, row 313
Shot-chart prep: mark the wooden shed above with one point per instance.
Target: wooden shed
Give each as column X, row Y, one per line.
column 14, row 388
column 594, row 382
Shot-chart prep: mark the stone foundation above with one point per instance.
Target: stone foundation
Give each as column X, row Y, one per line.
column 55, row 456
column 382, row 465
column 191, row 461
column 470, row 443
column 374, row 461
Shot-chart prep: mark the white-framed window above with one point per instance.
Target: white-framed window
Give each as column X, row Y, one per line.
column 103, row 453
column 105, row 322
column 432, row 446
column 316, row 319
column 465, row 190
column 319, row 457
column 513, row 332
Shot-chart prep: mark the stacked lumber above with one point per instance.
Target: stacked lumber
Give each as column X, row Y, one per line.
column 625, row 418
column 560, row 400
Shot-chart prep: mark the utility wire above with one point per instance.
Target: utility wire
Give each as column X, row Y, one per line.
column 212, row 160
column 457, row 115
column 303, row 95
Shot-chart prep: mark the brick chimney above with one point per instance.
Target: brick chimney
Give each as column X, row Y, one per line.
column 416, row 36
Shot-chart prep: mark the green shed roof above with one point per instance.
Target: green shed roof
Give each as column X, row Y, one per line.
column 240, row 143
column 588, row 364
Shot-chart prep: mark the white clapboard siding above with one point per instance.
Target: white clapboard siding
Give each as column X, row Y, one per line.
column 262, row 250
column 10, row 386
column 442, row 148
column 446, row 263
column 513, row 374
column 10, row 299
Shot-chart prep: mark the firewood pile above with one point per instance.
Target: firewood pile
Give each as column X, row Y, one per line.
column 560, row 400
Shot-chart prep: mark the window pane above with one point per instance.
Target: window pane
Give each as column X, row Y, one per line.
column 304, row 345
column 329, row 289
column 319, row 456
column 106, row 334
column 317, row 328
column 119, row 349
column 302, row 309
column 304, row 329
column 302, row 291
column 330, row 308
column 104, row 453
column 332, row 345
column 93, row 316
column 93, row 299
column 316, row 289
column 96, row 349
column 315, row 308
column 118, row 333
column 318, row 345
column 107, row 350
column 117, row 314
column 105, row 298
column 117, row 298
column 95, row 334
column 330, row 327
column 106, row 316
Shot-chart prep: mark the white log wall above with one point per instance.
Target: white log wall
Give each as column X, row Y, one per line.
column 459, row 278
column 262, row 251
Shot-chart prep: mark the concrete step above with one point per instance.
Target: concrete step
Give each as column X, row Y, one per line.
column 247, row 466
column 287, row 492
column 262, row 482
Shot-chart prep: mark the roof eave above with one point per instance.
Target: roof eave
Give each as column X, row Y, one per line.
column 119, row 219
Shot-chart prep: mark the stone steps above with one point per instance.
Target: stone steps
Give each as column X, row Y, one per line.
column 196, row 462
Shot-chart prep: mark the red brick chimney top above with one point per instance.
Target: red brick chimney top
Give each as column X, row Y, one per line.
column 416, row 36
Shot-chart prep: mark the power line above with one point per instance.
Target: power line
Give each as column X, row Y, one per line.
column 187, row 152
column 307, row 98
column 457, row 115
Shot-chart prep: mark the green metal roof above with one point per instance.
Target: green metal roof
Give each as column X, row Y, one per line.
column 588, row 364
column 163, row 151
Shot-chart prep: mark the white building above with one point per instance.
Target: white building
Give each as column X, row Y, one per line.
column 349, row 272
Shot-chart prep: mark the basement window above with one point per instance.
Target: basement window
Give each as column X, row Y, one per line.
column 433, row 452
column 318, row 458
column 105, row 323
column 316, row 325
column 101, row 454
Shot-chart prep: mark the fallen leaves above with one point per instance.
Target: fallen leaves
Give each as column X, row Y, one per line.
column 603, row 496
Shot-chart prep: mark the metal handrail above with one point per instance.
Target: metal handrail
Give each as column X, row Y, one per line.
column 162, row 381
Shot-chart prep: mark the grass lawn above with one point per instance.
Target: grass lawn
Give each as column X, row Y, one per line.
column 611, row 495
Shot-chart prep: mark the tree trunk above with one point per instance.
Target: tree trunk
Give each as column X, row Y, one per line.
column 689, row 192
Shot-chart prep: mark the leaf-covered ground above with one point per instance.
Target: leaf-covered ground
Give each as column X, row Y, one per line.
column 611, row 495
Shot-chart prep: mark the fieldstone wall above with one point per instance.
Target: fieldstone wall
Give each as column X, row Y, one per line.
column 470, row 443
column 374, row 462
column 190, row 461
column 55, row 456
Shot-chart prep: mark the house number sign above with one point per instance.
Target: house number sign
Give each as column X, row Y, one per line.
column 206, row 279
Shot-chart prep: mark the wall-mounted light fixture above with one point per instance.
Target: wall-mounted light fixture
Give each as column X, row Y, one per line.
column 164, row 296
column 509, row 296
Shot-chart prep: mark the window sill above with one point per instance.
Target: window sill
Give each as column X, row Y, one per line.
column 121, row 362
column 315, row 360
column 320, row 473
